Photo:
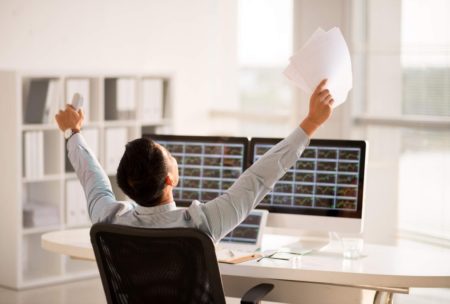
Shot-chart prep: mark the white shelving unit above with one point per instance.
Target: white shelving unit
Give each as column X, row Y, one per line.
column 23, row 262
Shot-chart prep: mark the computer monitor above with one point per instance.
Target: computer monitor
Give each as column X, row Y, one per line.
column 208, row 165
column 323, row 191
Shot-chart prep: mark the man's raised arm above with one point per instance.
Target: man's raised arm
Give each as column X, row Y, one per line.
column 97, row 187
column 228, row 210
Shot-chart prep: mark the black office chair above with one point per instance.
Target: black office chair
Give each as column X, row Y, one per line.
column 174, row 265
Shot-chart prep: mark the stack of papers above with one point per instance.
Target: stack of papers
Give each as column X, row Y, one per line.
column 38, row 214
column 324, row 56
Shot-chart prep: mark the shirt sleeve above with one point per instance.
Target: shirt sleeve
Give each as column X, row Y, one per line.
column 227, row 211
column 102, row 205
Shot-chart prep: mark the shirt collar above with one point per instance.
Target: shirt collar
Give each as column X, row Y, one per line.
column 156, row 209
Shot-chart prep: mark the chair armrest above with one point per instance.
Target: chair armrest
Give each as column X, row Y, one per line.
column 256, row 293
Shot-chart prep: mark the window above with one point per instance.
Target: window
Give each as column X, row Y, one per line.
column 424, row 167
column 406, row 117
column 426, row 57
column 265, row 45
column 424, row 193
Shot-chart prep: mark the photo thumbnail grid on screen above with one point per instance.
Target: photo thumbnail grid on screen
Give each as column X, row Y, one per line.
column 325, row 178
column 207, row 166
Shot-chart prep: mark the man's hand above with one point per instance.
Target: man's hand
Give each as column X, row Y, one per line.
column 319, row 109
column 70, row 119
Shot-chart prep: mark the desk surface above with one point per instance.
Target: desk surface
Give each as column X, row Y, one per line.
column 382, row 266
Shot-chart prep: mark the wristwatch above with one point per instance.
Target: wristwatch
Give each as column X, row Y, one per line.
column 69, row 132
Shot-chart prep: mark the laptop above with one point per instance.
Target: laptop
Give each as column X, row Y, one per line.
column 244, row 240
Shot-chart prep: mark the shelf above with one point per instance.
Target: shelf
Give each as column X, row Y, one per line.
column 46, row 178
column 41, row 204
column 40, row 154
column 85, row 225
column 40, row 230
column 160, row 122
column 121, row 123
column 41, row 192
column 92, row 124
column 37, row 281
column 54, row 126
column 36, row 262
column 40, row 127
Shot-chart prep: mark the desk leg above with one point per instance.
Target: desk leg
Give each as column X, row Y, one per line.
column 383, row 297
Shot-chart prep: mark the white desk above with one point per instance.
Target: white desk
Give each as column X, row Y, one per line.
column 385, row 269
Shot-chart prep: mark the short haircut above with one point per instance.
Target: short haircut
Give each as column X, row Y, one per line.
column 142, row 172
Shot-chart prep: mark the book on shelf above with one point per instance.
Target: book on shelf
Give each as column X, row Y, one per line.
column 39, row 160
column 152, row 99
column 34, row 154
column 116, row 139
column 39, row 214
column 81, row 86
column 76, row 204
column 42, row 101
column 126, row 98
column 28, row 149
column 120, row 98
column 51, row 101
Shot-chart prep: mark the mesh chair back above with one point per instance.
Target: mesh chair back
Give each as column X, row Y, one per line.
column 140, row 265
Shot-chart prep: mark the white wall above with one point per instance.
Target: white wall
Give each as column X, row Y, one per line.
column 192, row 40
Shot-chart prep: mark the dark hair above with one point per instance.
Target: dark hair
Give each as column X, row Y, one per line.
column 142, row 172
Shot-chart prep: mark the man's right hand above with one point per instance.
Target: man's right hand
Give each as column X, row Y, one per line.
column 320, row 109
column 70, row 119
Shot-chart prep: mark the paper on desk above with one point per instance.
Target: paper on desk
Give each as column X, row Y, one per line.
column 324, row 55
column 239, row 258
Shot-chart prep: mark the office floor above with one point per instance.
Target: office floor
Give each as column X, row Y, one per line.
column 86, row 291
column 91, row 292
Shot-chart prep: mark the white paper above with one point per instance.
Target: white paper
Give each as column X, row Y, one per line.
column 324, row 56
column 82, row 87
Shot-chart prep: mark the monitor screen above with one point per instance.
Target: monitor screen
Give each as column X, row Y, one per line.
column 247, row 231
column 327, row 180
column 207, row 165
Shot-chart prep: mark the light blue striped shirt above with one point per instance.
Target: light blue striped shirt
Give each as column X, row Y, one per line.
column 217, row 217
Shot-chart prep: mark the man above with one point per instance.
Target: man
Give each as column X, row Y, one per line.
column 147, row 173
